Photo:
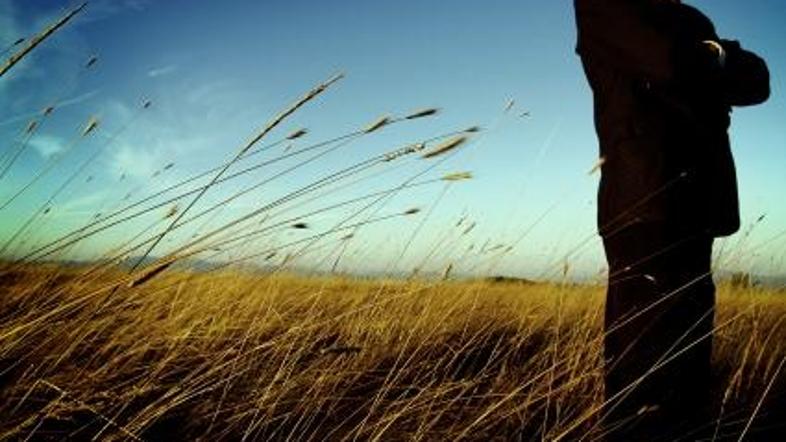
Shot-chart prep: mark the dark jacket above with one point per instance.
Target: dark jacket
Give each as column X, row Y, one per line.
column 662, row 103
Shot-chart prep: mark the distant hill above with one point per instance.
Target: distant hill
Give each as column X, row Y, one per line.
column 499, row 279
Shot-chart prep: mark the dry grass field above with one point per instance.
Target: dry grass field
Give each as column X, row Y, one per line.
column 129, row 349
column 232, row 355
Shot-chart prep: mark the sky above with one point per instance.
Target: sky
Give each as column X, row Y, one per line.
column 216, row 72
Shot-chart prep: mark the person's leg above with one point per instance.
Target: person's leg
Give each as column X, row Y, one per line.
column 688, row 324
column 659, row 312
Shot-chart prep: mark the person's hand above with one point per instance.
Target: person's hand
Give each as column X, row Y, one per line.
column 717, row 50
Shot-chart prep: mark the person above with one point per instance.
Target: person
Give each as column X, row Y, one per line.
column 663, row 84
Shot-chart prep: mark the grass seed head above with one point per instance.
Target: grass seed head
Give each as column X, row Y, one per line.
column 150, row 274
column 446, row 273
column 92, row 124
column 495, row 248
column 445, row 147
column 297, row 134
column 398, row 153
column 378, row 124
column 601, row 161
column 457, row 176
column 422, row 113
column 509, row 105
column 31, row 127
column 172, row 211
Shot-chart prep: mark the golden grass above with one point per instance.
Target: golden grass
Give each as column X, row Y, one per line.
column 228, row 355
column 100, row 353
column 445, row 147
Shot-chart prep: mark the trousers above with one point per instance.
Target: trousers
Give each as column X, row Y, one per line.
column 659, row 313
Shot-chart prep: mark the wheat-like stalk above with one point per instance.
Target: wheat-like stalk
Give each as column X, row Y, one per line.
column 377, row 124
column 457, row 176
column 38, row 39
column 315, row 92
column 445, row 147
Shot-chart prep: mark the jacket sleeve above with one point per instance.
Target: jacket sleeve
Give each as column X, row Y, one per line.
column 745, row 79
column 619, row 33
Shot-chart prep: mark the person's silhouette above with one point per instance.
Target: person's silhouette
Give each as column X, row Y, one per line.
column 663, row 85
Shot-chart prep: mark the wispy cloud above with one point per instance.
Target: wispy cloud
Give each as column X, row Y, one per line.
column 103, row 9
column 153, row 142
column 48, row 145
column 9, row 31
column 161, row 71
column 29, row 84
column 84, row 203
column 78, row 99
column 136, row 161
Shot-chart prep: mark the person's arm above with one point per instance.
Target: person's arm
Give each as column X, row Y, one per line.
column 619, row 33
column 745, row 79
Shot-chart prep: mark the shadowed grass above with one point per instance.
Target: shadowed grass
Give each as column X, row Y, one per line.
column 232, row 355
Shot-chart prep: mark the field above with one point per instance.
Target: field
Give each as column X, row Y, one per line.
column 233, row 355
column 175, row 306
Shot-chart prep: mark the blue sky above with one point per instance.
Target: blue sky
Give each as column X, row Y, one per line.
column 217, row 71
